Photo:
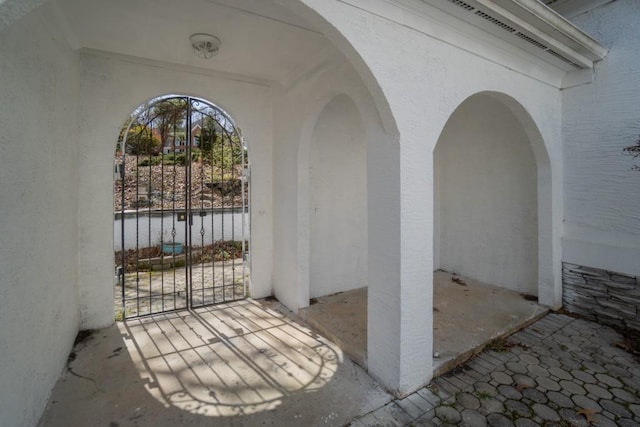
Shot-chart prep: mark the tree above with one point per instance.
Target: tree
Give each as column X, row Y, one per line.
column 208, row 138
column 169, row 116
column 218, row 147
column 141, row 141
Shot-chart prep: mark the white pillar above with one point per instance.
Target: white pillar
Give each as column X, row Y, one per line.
column 400, row 202
column 400, row 306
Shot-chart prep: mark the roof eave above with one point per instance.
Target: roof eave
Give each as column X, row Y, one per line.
column 543, row 18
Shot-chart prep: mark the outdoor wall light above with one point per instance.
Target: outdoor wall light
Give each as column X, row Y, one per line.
column 204, row 45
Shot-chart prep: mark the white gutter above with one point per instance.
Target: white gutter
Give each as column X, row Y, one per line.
column 533, row 27
column 538, row 13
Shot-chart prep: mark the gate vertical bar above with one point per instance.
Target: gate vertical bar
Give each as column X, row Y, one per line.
column 162, row 224
column 246, row 176
column 201, row 211
column 187, row 205
column 213, row 137
column 222, row 194
column 123, row 269
column 149, row 204
column 233, row 217
column 137, row 199
column 173, row 218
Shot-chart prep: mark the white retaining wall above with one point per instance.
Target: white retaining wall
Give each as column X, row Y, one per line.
column 147, row 230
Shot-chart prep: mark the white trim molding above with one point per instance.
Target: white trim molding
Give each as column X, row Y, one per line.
column 532, row 26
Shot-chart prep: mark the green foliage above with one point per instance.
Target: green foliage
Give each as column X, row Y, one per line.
column 170, row 159
column 218, row 148
column 195, row 154
column 150, row 161
column 179, row 159
column 141, row 141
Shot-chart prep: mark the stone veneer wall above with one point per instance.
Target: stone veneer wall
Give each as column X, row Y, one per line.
column 605, row 296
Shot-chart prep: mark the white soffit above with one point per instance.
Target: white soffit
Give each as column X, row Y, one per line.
column 531, row 26
column 571, row 8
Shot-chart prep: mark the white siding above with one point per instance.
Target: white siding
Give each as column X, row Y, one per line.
column 602, row 193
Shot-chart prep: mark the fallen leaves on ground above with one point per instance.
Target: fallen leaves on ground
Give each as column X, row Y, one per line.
column 623, row 345
column 587, row 413
column 458, row 280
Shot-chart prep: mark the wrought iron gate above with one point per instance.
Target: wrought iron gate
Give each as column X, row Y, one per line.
column 182, row 200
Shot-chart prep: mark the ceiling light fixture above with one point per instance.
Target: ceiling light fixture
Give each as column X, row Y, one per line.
column 204, row 45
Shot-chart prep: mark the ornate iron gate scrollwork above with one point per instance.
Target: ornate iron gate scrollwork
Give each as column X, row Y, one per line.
column 182, row 201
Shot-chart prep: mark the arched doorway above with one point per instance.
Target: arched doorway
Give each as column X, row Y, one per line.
column 492, row 226
column 181, row 193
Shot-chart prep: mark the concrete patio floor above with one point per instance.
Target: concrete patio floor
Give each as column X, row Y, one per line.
column 467, row 315
column 243, row 363
column 256, row 363
column 251, row 363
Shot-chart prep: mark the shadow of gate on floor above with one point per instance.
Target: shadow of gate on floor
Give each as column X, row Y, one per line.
column 236, row 359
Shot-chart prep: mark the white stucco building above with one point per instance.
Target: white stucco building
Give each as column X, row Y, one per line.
column 387, row 139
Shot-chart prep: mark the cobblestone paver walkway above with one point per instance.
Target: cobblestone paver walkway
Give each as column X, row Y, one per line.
column 560, row 371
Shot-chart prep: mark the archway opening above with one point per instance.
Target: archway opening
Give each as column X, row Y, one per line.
column 181, row 222
column 275, row 62
column 335, row 172
column 486, row 228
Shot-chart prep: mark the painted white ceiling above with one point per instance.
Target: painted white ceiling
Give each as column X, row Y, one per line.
column 259, row 38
